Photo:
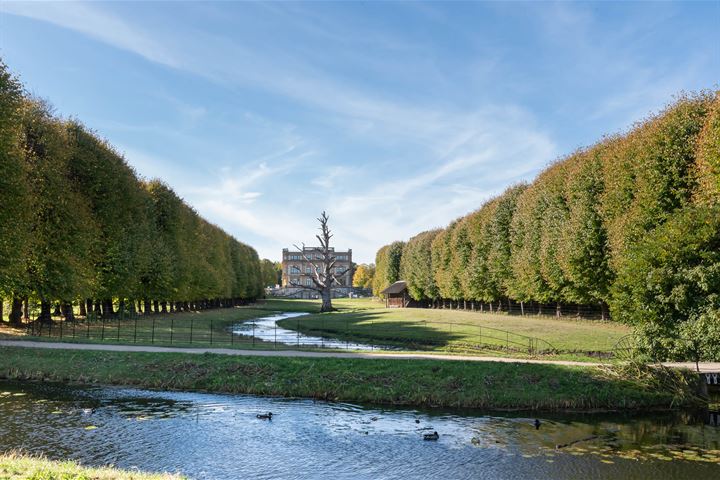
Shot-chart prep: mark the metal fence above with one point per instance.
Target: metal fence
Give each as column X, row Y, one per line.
column 297, row 333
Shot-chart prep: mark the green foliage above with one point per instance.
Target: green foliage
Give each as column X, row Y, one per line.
column 76, row 222
column 62, row 224
column 583, row 245
column 387, row 266
column 589, row 227
column 708, row 157
column 669, row 286
column 416, row 266
column 271, row 273
column 446, row 278
column 15, row 195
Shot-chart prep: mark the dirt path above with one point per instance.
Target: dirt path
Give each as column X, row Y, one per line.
column 704, row 367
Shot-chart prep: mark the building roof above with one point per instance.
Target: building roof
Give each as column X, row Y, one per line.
column 397, row 287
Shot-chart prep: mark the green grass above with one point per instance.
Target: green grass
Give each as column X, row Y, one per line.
column 466, row 384
column 14, row 466
column 361, row 320
column 365, row 320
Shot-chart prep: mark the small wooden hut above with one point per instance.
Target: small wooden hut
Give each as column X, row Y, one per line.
column 396, row 295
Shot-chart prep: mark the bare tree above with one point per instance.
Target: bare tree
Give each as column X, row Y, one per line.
column 324, row 276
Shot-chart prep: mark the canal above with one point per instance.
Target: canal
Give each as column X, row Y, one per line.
column 220, row 437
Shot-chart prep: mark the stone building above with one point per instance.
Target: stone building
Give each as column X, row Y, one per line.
column 296, row 270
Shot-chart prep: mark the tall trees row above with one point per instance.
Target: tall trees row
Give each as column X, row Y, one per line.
column 79, row 228
column 602, row 227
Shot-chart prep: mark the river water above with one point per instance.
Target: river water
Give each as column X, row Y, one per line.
column 267, row 330
column 212, row 436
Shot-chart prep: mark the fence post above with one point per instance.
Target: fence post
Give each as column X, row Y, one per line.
column 507, row 341
column 322, row 335
column 253, row 333
column 480, row 336
column 191, row 329
column 87, row 322
column 73, row 324
column 211, row 330
column 102, row 333
column 152, row 338
column 275, row 334
column 232, row 336
column 135, row 331
column 297, row 330
column 172, row 323
column 61, row 328
column 118, row 328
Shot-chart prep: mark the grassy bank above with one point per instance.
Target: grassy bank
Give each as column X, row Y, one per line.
column 357, row 320
column 379, row 381
column 443, row 329
column 17, row 467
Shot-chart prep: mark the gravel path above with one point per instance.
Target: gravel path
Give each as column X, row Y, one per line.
column 704, row 367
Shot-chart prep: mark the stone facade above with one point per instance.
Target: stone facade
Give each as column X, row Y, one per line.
column 298, row 271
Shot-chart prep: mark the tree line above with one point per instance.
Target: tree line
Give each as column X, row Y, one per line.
column 79, row 231
column 628, row 227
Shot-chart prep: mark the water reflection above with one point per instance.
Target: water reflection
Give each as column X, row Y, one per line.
column 266, row 329
column 219, row 436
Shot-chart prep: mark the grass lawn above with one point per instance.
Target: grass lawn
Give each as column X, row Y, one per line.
column 362, row 320
column 467, row 384
column 19, row 467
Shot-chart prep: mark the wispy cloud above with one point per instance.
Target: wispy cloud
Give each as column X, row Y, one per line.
column 94, row 22
column 288, row 109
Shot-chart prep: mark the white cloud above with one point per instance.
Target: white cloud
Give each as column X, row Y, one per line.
column 94, row 22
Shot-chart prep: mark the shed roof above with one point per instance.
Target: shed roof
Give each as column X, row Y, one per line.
column 397, row 287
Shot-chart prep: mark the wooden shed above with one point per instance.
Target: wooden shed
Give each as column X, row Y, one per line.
column 396, row 295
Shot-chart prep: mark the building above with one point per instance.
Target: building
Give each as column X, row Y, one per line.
column 396, row 295
column 297, row 268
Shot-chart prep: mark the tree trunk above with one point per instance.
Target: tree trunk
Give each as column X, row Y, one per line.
column 326, row 301
column 558, row 310
column 164, row 306
column 522, row 309
column 67, row 311
column 56, row 311
column 89, row 305
column 45, row 313
column 603, row 311
column 107, row 308
column 16, row 311
column 26, row 309
column 83, row 308
column 98, row 308
column 156, row 306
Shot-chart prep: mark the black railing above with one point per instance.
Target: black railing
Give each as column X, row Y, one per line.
column 193, row 330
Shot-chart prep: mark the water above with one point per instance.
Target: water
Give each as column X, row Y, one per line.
column 266, row 329
column 219, row 437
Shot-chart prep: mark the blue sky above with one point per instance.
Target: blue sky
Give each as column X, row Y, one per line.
column 393, row 117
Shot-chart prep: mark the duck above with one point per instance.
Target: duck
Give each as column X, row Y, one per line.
column 537, row 424
column 417, row 420
column 88, row 411
column 431, row 436
column 264, row 416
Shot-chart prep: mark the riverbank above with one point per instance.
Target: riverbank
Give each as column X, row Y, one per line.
column 408, row 382
column 14, row 466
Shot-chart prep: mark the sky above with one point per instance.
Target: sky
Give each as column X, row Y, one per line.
column 394, row 117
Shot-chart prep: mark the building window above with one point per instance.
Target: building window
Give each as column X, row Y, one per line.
column 308, row 282
column 294, row 270
column 308, row 270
